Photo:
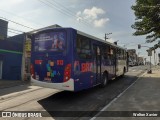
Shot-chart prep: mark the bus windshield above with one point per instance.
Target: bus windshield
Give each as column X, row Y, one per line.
column 50, row 41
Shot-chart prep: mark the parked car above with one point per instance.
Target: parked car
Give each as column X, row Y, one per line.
column 131, row 63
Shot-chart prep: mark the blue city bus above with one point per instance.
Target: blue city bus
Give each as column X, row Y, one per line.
column 67, row 59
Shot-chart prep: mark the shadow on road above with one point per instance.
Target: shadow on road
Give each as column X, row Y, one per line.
column 85, row 101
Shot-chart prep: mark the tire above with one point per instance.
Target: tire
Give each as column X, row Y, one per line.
column 104, row 80
column 124, row 70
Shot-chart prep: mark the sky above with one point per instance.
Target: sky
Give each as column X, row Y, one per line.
column 94, row 17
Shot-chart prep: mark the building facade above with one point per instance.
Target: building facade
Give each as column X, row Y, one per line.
column 3, row 29
column 132, row 55
column 15, row 53
column 10, row 60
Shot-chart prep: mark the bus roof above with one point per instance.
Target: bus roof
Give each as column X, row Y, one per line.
column 79, row 32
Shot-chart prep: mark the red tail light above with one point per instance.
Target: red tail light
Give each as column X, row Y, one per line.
column 67, row 72
column 32, row 70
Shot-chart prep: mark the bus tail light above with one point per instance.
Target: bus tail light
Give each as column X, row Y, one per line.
column 67, row 72
column 32, row 70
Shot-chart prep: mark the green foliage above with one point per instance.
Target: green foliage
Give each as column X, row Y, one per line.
column 147, row 21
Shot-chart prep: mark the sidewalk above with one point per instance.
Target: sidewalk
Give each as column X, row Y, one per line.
column 13, row 88
column 143, row 95
column 11, row 83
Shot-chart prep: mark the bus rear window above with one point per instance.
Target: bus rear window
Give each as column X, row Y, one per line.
column 50, row 41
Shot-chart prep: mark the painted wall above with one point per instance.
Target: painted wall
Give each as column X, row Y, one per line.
column 11, row 68
column 11, row 55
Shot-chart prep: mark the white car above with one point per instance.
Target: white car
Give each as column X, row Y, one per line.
column 131, row 63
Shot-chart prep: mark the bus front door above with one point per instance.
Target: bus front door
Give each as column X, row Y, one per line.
column 97, row 60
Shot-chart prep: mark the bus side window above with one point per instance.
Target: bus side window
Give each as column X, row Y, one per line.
column 105, row 51
column 122, row 54
column 118, row 54
column 125, row 55
column 78, row 46
column 83, row 47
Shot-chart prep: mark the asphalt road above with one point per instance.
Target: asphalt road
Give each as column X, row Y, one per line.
column 79, row 105
column 91, row 100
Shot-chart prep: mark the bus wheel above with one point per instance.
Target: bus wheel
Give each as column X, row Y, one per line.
column 124, row 70
column 104, row 80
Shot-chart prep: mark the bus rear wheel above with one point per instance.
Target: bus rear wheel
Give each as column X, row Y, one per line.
column 124, row 70
column 104, row 80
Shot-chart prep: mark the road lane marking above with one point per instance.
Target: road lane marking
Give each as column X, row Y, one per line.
column 103, row 109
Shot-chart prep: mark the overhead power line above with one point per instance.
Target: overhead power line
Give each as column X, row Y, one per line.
column 15, row 15
column 17, row 23
column 2, row 27
column 13, row 32
column 61, row 8
column 16, row 30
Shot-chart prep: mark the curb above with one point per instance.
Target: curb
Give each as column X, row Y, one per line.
column 9, row 84
column 118, row 96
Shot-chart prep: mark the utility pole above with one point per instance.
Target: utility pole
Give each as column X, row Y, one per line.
column 138, row 58
column 149, row 54
column 106, row 36
column 145, row 61
column 159, row 58
column 154, row 57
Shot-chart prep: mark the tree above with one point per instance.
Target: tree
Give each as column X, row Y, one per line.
column 147, row 20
